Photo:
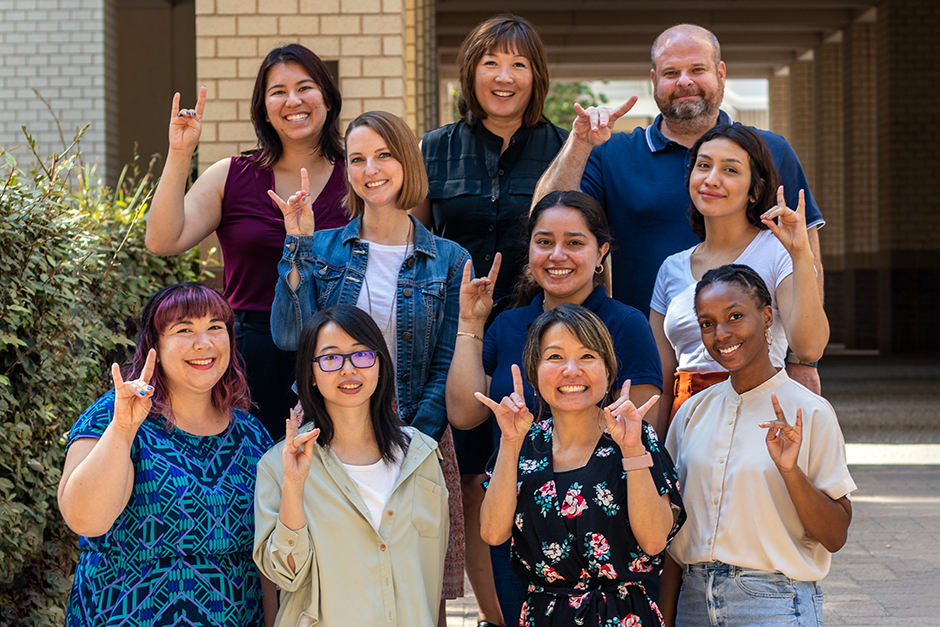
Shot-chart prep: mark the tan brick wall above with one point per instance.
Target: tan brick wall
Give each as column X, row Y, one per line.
column 803, row 117
column 829, row 187
column 382, row 46
column 778, row 104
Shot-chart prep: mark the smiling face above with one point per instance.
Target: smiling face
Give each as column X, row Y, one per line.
column 373, row 173
column 193, row 354
column 720, row 181
column 563, row 254
column 503, row 86
column 733, row 326
column 293, row 103
column 571, row 377
column 686, row 82
column 348, row 387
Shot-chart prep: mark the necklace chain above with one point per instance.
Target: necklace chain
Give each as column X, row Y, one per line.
column 409, row 247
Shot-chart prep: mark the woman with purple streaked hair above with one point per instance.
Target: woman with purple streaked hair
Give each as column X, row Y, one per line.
column 159, row 478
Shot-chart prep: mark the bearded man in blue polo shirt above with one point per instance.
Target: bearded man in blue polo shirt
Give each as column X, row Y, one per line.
column 639, row 177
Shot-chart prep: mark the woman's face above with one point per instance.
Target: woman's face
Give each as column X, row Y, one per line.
column 294, row 103
column 571, row 377
column 348, row 386
column 733, row 326
column 193, row 354
column 563, row 254
column 721, row 179
column 502, row 85
column 374, row 174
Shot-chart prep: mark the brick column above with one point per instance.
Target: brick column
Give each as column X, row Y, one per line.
column 803, row 116
column 65, row 50
column 382, row 47
column 828, row 186
column 778, row 102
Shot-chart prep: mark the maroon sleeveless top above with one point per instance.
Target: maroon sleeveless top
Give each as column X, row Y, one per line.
column 252, row 230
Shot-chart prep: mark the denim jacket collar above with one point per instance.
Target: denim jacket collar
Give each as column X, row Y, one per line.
column 424, row 242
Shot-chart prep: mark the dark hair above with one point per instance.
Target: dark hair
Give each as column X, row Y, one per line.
column 269, row 148
column 742, row 275
column 764, row 177
column 386, row 423
column 174, row 303
column 403, row 145
column 505, row 32
column 585, row 325
column 526, row 288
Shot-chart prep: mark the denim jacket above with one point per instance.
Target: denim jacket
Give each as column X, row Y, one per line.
column 332, row 266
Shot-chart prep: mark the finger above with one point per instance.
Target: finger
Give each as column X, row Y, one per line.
column 467, row 272
column 201, row 102
column 308, row 444
column 283, row 206
column 801, row 205
column 782, row 425
column 647, row 405
column 593, row 116
column 517, row 381
column 603, row 117
column 494, row 269
column 518, row 401
column 486, row 400
column 149, row 366
column 304, row 181
column 580, row 111
column 625, row 389
column 781, row 199
column 624, row 108
column 116, row 377
column 306, row 437
column 175, row 110
column 777, row 409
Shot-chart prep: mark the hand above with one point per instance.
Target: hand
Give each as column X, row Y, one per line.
column 791, row 226
column 476, row 295
column 783, row 441
column 132, row 399
column 298, row 210
column 512, row 415
column 625, row 421
column 186, row 124
column 297, row 452
column 594, row 124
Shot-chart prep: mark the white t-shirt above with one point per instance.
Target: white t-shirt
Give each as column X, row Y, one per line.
column 674, row 297
column 379, row 294
column 375, row 483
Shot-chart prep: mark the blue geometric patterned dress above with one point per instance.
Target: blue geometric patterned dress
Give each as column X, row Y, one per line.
column 180, row 552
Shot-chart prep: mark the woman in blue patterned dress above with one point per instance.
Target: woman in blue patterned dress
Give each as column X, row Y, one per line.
column 587, row 494
column 159, row 478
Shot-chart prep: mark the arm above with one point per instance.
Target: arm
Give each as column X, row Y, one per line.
column 422, row 213
column 98, row 476
column 177, row 220
column 813, row 234
column 649, row 512
column 824, row 518
column 798, row 296
column 466, row 375
column 499, row 505
column 670, row 582
column 431, row 417
column 268, row 600
column 667, row 356
column 592, row 127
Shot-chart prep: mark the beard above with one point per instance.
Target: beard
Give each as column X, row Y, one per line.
column 706, row 105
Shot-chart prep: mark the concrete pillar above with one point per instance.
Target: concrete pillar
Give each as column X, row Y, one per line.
column 65, row 50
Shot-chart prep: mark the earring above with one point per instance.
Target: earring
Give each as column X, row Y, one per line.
column 769, row 336
column 599, row 269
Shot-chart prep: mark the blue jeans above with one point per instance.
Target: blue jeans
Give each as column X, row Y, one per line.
column 715, row 594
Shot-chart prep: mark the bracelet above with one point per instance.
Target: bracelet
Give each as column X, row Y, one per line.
column 640, row 461
column 793, row 359
column 473, row 335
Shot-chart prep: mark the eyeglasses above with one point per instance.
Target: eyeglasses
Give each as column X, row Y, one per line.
column 334, row 361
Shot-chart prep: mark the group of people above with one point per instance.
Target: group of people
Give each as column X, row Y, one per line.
column 428, row 333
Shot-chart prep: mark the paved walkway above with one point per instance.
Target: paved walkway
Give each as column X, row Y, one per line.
column 888, row 573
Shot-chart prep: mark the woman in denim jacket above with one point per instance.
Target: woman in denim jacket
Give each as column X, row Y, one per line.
column 387, row 264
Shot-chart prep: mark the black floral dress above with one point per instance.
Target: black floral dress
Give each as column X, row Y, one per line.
column 572, row 539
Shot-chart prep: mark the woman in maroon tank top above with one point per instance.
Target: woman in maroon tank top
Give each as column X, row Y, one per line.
column 295, row 106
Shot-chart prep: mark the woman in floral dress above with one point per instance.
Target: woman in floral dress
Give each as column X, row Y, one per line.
column 587, row 494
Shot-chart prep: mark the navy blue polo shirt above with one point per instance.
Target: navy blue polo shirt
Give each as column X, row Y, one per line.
column 639, row 178
column 637, row 356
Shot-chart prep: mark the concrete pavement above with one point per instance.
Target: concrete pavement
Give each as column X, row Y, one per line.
column 888, row 573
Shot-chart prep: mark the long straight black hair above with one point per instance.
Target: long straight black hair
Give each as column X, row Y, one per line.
column 386, row 423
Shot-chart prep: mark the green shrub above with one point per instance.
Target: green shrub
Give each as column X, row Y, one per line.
column 74, row 273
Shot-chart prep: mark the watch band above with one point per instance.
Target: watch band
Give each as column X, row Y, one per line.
column 635, row 463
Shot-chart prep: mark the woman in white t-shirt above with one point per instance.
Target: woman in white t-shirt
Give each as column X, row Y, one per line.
column 351, row 516
column 734, row 186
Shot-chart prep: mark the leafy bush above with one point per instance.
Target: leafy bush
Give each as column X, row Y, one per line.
column 74, row 273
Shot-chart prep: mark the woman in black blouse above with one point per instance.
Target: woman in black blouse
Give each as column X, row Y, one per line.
column 482, row 172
